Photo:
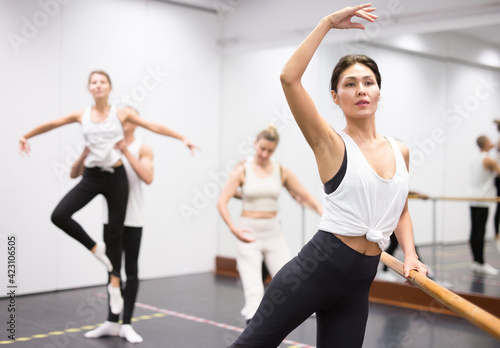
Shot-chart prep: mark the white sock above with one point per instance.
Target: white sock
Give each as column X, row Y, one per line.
column 107, row 328
column 128, row 332
column 100, row 253
column 115, row 299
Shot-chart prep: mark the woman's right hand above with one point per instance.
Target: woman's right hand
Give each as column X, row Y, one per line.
column 243, row 235
column 342, row 19
column 24, row 146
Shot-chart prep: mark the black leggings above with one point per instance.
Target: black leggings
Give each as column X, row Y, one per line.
column 114, row 187
column 479, row 216
column 131, row 244
column 326, row 277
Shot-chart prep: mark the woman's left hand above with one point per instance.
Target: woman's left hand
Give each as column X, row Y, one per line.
column 190, row 145
column 412, row 262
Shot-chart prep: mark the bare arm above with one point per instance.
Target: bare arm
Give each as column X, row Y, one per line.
column 404, row 232
column 492, row 165
column 235, row 180
column 299, row 192
column 24, row 146
column 77, row 168
column 326, row 144
column 143, row 165
column 130, row 115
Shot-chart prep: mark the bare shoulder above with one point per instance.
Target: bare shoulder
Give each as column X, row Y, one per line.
column 238, row 172
column 75, row 116
column 404, row 151
column 125, row 111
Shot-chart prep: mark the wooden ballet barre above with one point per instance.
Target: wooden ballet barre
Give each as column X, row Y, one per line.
column 469, row 199
column 473, row 199
column 467, row 310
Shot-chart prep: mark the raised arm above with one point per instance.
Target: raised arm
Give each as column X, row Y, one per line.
column 130, row 115
column 299, row 192
column 143, row 165
column 326, row 144
column 404, row 232
column 235, row 180
column 24, row 146
column 77, row 168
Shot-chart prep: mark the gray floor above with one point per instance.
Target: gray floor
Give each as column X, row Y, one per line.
column 203, row 311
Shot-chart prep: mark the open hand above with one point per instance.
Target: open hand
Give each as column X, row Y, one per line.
column 243, row 235
column 24, row 146
column 342, row 19
column 190, row 145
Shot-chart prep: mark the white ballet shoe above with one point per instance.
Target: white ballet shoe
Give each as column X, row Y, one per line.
column 128, row 332
column 100, row 254
column 107, row 328
column 484, row 268
column 115, row 299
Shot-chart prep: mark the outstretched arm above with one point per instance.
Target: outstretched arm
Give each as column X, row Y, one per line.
column 326, row 144
column 130, row 115
column 299, row 192
column 143, row 166
column 24, row 146
column 235, row 180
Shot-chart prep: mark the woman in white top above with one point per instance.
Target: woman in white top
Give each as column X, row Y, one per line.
column 138, row 162
column 104, row 173
column 366, row 185
column 259, row 232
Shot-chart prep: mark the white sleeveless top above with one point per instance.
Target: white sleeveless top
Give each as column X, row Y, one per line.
column 482, row 180
column 261, row 194
column 135, row 206
column 100, row 138
column 364, row 203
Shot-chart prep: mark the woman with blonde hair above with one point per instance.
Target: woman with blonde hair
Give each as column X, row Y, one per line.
column 258, row 230
column 104, row 173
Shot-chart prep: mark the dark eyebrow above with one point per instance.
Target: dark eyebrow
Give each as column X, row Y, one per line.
column 364, row 77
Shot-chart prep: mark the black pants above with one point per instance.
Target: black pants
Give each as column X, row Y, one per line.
column 131, row 244
column 114, row 187
column 326, row 277
column 497, row 213
column 479, row 216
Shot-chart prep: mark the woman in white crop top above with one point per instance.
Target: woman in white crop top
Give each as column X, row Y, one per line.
column 137, row 159
column 104, row 173
column 333, row 273
column 259, row 230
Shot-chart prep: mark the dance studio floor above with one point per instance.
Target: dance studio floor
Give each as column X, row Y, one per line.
column 201, row 310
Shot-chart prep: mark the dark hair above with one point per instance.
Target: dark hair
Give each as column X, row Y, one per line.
column 100, row 72
column 270, row 133
column 481, row 141
column 347, row 61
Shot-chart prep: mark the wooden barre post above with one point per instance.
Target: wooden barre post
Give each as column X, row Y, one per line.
column 467, row 310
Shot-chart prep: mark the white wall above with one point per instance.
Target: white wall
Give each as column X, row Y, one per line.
column 47, row 77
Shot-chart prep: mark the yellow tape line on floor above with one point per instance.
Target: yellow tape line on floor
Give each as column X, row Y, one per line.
column 76, row 329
